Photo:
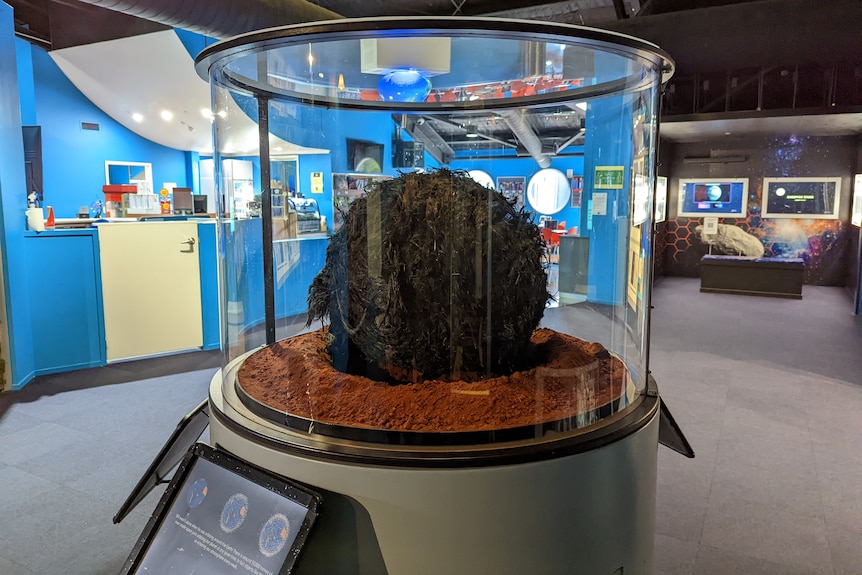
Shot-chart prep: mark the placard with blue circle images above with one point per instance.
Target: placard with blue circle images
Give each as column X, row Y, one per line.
column 221, row 515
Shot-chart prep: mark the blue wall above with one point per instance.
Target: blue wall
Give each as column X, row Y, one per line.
column 16, row 271
column 26, row 86
column 74, row 159
column 608, row 146
column 527, row 167
column 33, row 91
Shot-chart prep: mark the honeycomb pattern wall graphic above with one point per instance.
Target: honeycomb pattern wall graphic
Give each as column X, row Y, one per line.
column 820, row 243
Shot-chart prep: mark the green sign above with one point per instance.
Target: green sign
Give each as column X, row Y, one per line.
column 609, row 177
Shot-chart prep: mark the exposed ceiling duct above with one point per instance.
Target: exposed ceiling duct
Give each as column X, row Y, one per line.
column 525, row 134
column 220, row 18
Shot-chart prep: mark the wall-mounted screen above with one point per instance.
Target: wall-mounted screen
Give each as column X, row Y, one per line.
column 856, row 212
column 725, row 197
column 365, row 157
column 806, row 198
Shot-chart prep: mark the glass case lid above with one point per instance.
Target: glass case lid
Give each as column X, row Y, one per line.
column 433, row 63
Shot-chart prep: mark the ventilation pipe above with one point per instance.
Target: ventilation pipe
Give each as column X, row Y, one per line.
column 220, row 18
column 525, row 134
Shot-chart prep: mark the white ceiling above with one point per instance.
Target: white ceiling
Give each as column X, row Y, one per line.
column 148, row 74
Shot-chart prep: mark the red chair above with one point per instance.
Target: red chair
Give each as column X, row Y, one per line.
column 552, row 243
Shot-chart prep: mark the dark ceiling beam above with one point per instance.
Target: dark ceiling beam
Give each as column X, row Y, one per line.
column 77, row 24
column 32, row 36
column 620, row 8
column 220, row 18
column 751, row 34
column 419, row 129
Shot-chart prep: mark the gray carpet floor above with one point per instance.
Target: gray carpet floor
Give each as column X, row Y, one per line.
column 768, row 391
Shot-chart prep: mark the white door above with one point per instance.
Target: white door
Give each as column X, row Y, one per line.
column 150, row 287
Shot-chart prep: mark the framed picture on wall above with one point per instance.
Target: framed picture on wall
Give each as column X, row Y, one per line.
column 660, row 199
column 856, row 212
column 577, row 191
column 805, row 198
column 512, row 187
column 640, row 199
column 346, row 189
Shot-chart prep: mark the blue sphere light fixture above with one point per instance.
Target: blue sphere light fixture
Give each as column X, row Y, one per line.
column 404, row 85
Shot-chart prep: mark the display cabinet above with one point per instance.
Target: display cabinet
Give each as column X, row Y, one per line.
column 456, row 416
column 308, row 214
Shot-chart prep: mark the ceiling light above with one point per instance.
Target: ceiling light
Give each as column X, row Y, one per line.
column 167, row 115
column 138, row 117
column 471, row 131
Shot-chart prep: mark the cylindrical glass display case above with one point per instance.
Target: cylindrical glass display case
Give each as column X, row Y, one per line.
column 435, row 302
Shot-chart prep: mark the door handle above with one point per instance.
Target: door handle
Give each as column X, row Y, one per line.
column 190, row 242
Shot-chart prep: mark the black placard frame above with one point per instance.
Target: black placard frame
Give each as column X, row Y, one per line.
column 294, row 492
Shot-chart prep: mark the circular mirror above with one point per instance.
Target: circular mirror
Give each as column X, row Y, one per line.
column 548, row 191
column 483, row 178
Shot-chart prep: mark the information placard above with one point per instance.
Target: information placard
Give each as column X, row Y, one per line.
column 219, row 515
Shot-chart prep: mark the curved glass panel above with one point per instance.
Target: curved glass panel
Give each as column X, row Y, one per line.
column 374, row 291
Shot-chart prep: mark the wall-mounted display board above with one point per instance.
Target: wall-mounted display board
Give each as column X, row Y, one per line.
column 347, row 188
column 725, row 197
column 220, row 515
column 577, row 191
column 512, row 187
column 640, row 199
column 804, row 198
column 856, row 212
column 660, row 199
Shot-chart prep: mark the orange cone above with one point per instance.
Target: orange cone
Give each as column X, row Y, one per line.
column 49, row 223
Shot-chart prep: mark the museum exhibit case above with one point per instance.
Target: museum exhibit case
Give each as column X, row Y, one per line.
column 412, row 366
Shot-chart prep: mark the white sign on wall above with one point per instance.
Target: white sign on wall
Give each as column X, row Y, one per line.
column 600, row 204
column 710, row 225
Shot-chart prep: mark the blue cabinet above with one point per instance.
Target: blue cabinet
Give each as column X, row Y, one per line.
column 65, row 300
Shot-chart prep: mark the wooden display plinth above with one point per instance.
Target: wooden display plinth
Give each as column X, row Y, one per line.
column 774, row 277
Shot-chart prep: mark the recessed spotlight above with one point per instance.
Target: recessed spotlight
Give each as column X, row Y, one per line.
column 138, row 117
column 320, row 74
column 167, row 115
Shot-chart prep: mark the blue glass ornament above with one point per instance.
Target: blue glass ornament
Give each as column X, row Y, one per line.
column 404, row 85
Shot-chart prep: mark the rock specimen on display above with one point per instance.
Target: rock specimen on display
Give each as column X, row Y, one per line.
column 431, row 275
column 732, row 241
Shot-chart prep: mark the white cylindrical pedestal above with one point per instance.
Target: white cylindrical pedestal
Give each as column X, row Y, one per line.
column 589, row 513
